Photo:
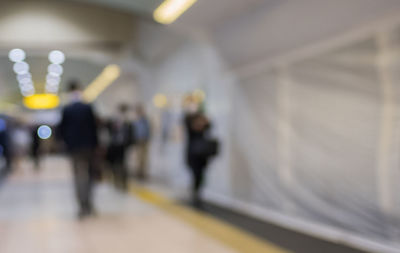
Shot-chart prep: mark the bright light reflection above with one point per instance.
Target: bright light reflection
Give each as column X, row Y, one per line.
column 16, row 55
column 44, row 132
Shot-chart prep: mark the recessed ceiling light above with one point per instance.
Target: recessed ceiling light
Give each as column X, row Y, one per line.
column 56, row 57
column 16, row 55
column 21, row 68
column 55, row 69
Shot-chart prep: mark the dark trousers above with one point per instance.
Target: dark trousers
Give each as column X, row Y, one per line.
column 117, row 160
column 198, row 178
column 82, row 160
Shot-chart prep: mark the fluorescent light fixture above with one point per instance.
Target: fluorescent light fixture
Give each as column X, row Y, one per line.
column 41, row 101
column 105, row 79
column 170, row 10
column 16, row 55
column 56, row 57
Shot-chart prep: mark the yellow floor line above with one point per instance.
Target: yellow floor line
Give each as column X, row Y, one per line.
column 235, row 238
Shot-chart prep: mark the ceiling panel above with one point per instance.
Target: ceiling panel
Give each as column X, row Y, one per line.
column 136, row 6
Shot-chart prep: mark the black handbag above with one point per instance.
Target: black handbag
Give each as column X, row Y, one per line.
column 205, row 147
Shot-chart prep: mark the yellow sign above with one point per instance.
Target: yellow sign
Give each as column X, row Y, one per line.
column 41, row 101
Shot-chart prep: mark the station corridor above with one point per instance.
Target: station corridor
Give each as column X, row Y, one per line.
column 199, row 126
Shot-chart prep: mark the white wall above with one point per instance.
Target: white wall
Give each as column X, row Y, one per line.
column 308, row 143
column 283, row 26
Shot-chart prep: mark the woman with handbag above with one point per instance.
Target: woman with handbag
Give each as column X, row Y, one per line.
column 200, row 148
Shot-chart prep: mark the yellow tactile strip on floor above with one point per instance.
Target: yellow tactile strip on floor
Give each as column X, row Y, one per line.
column 235, row 238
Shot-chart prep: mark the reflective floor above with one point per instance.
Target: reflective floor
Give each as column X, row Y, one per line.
column 38, row 214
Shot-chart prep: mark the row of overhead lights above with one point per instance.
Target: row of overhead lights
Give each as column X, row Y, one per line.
column 21, row 69
column 50, row 99
column 24, row 77
column 55, row 71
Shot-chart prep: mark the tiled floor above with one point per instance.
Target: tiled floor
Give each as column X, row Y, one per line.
column 37, row 215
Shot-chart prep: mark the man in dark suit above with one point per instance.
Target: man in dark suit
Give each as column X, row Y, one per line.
column 79, row 131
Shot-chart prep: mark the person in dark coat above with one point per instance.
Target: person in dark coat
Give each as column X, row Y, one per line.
column 197, row 126
column 78, row 129
column 35, row 147
column 121, row 137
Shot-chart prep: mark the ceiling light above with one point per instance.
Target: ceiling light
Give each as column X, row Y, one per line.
column 21, row 68
column 23, row 76
column 56, row 57
column 25, row 81
column 53, row 79
column 16, row 55
column 105, row 79
column 27, row 93
column 55, row 69
column 170, row 10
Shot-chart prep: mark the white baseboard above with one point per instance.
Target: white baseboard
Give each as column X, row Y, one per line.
column 325, row 232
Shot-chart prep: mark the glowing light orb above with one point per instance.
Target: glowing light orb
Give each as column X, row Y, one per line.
column 56, row 57
column 21, row 68
column 55, row 69
column 44, row 132
column 16, row 55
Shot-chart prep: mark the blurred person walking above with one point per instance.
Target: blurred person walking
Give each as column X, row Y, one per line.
column 35, row 147
column 5, row 142
column 78, row 129
column 121, row 137
column 142, row 131
column 20, row 140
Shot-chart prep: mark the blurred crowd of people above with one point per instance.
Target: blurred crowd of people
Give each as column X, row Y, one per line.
column 99, row 147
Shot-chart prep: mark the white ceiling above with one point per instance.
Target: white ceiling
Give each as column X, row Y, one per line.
column 209, row 14
column 203, row 14
column 134, row 6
